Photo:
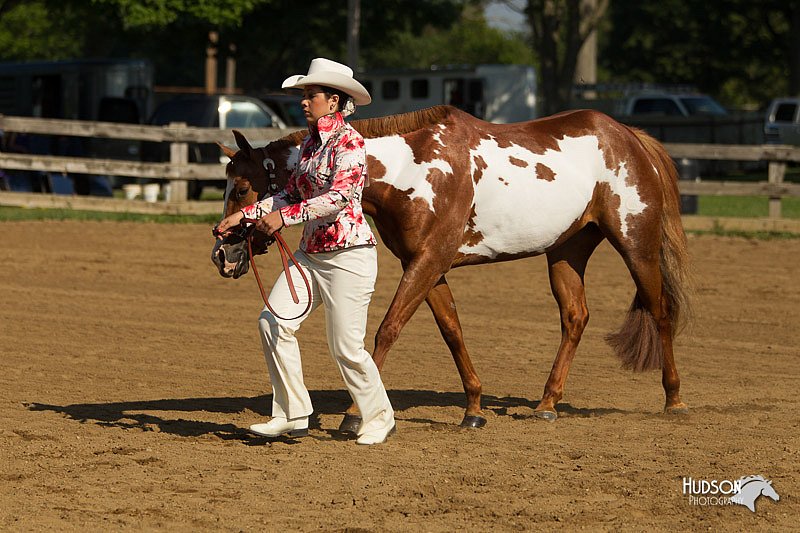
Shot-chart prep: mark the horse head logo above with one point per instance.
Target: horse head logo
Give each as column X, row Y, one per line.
column 751, row 488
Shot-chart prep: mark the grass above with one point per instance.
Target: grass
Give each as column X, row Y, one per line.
column 745, row 206
column 8, row 214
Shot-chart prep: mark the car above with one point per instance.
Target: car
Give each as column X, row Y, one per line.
column 208, row 111
column 673, row 104
column 287, row 106
column 782, row 121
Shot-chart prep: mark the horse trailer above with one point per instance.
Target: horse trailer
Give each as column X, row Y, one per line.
column 495, row 93
column 107, row 90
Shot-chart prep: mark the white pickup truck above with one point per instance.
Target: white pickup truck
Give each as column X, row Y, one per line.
column 782, row 121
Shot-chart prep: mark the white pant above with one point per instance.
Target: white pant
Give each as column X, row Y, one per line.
column 342, row 280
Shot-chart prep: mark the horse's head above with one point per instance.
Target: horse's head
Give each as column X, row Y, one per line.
column 253, row 173
column 769, row 491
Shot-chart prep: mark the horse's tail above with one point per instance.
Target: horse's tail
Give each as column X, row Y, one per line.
column 637, row 343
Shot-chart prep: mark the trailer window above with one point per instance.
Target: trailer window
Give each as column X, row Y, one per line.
column 419, row 88
column 390, row 89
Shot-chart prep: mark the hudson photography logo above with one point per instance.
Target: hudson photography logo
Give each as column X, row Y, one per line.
column 743, row 491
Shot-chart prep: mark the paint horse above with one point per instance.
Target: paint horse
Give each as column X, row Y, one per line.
column 449, row 190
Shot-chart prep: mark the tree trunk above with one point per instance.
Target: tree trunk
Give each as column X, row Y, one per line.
column 559, row 29
column 794, row 50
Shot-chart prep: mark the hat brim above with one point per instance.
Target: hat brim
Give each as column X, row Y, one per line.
column 334, row 80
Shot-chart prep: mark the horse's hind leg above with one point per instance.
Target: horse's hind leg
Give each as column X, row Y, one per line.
column 566, row 265
column 440, row 300
column 644, row 341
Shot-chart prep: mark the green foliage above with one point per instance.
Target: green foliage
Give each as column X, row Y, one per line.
column 38, row 30
column 468, row 41
column 160, row 13
column 737, row 50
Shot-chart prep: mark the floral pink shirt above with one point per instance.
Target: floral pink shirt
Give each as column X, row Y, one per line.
column 325, row 189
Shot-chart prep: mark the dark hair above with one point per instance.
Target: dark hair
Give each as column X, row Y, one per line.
column 343, row 96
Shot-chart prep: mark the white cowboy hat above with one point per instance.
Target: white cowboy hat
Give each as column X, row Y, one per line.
column 329, row 73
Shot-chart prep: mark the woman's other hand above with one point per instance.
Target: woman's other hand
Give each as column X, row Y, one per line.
column 270, row 223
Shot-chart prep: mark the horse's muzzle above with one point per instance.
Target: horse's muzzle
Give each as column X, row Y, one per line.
column 231, row 260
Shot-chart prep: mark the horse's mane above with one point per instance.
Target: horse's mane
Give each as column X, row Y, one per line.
column 371, row 128
column 745, row 480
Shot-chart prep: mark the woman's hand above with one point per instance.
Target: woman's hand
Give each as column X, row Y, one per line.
column 270, row 223
column 223, row 229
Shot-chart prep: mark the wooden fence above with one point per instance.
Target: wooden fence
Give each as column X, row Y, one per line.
column 178, row 170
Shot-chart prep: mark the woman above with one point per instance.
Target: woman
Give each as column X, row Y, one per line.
column 337, row 252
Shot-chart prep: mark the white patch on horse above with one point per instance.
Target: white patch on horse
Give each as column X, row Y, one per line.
column 437, row 137
column 516, row 212
column 228, row 189
column 402, row 172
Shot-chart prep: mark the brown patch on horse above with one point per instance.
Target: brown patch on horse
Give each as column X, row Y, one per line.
column 472, row 237
column 377, row 170
column 480, row 166
column 544, row 172
column 517, row 162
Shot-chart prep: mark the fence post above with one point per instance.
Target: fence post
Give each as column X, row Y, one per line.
column 178, row 156
column 775, row 174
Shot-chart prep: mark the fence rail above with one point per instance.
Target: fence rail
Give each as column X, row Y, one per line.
column 178, row 170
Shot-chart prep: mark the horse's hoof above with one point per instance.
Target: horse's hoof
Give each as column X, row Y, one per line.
column 350, row 424
column 679, row 409
column 550, row 416
column 473, row 421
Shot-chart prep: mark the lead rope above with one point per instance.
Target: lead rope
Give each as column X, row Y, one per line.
column 286, row 254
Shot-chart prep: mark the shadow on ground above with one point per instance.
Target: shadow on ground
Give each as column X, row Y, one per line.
column 143, row 414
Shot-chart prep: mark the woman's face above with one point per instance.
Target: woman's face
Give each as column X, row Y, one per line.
column 316, row 104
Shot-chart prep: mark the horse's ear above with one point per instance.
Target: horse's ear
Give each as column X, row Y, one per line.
column 230, row 152
column 241, row 142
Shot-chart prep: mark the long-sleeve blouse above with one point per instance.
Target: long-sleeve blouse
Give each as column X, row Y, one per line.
column 325, row 189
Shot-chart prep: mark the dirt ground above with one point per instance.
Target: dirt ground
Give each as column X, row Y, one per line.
column 131, row 370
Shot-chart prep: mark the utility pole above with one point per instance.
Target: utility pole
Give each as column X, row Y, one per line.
column 353, row 31
column 230, row 69
column 211, row 62
column 586, row 66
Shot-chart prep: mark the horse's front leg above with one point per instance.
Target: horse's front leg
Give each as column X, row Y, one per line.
column 440, row 300
column 418, row 279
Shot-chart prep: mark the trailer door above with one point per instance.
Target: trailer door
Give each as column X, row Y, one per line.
column 466, row 94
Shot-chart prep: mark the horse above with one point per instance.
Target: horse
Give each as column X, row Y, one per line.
column 751, row 487
column 449, row 190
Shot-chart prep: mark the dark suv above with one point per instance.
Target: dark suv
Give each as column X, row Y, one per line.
column 208, row 111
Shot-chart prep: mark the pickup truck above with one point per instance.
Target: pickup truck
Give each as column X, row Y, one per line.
column 672, row 104
column 782, row 121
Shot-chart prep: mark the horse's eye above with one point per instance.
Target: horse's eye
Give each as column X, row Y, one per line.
column 241, row 193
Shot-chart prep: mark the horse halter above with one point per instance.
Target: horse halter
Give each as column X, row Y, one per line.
column 269, row 166
column 245, row 232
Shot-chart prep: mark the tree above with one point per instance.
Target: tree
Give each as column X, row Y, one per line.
column 741, row 51
column 468, row 41
column 559, row 28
